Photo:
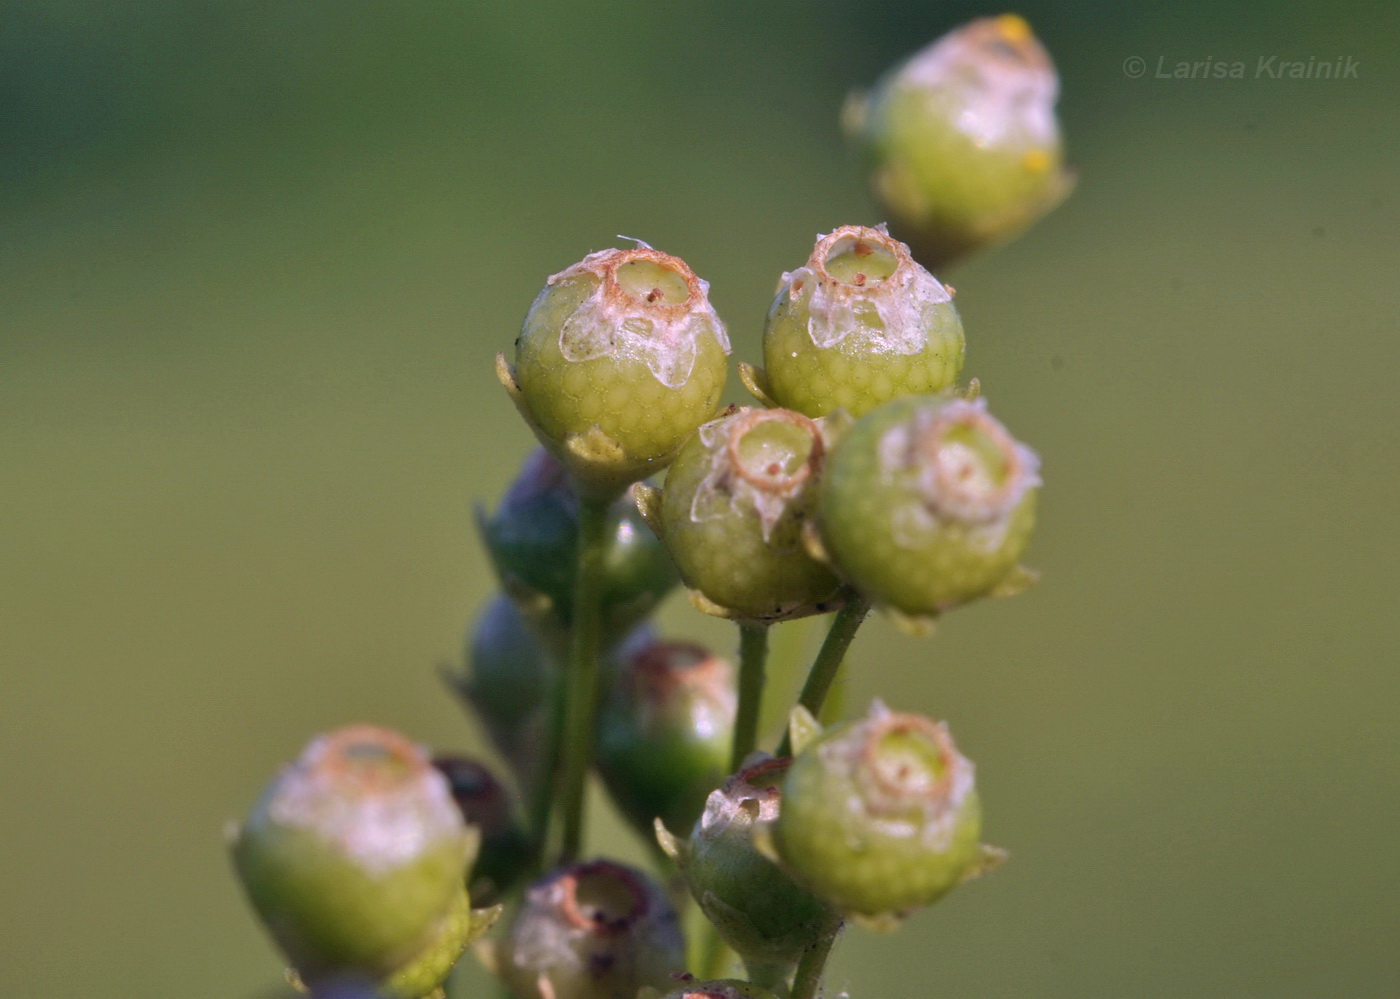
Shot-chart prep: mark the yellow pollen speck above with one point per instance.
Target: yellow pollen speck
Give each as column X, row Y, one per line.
column 1013, row 28
column 1036, row 161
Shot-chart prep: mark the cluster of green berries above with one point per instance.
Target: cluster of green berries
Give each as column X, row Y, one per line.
column 864, row 477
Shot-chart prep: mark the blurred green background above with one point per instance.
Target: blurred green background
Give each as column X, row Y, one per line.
column 255, row 260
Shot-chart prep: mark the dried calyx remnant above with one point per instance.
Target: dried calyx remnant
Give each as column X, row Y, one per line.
column 881, row 816
column 647, row 305
column 861, row 279
column 733, row 510
column 591, row 931
column 967, row 466
column 860, row 323
column 762, row 459
column 619, row 333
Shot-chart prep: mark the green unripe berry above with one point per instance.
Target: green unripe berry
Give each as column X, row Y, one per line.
column 880, row 816
column 504, row 854
column 355, row 856
column 859, row 324
column 725, row 988
column 533, row 541
column 759, row 910
column 598, row 930
column 507, row 686
column 961, row 141
column 664, row 732
column 620, row 358
column 733, row 510
column 928, row 503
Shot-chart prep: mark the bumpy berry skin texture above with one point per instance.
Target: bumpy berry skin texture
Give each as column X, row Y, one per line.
column 880, row 816
column 928, row 503
column 859, row 324
column 756, row 906
column 664, row 732
column 533, row 541
column 620, row 358
column 355, row 856
column 597, row 930
column 961, row 141
column 732, row 514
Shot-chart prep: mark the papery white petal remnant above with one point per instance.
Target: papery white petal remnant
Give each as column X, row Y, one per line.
column 967, row 467
column 895, row 309
column 903, row 801
column 613, row 322
column 372, row 793
column 768, row 489
column 1004, row 81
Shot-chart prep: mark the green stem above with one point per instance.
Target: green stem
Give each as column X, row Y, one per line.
column 543, row 802
column 809, row 969
column 753, row 658
column 828, row 662
column 770, row 975
column 581, row 680
column 714, row 957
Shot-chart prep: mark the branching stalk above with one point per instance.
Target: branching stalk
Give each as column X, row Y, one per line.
column 581, row 680
column 810, row 968
column 828, row 662
column 753, row 658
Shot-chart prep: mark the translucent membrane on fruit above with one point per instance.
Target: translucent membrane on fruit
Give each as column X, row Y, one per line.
column 928, row 503
column 761, row 460
column 759, row 910
column 647, row 305
column 862, row 278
